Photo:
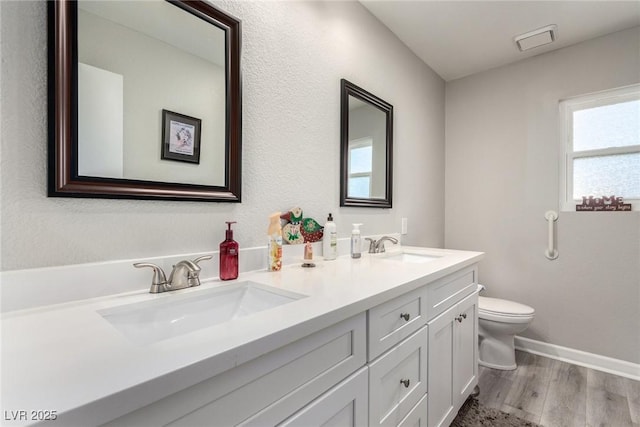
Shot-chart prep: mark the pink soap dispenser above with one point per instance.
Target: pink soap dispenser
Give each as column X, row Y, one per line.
column 229, row 255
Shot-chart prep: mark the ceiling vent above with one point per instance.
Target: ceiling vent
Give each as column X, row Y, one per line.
column 535, row 38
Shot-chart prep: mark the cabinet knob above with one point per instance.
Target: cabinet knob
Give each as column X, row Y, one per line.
column 405, row 316
column 405, row 383
column 464, row 315
column 459, row 319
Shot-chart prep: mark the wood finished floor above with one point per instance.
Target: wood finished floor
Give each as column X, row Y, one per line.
column 558, row 394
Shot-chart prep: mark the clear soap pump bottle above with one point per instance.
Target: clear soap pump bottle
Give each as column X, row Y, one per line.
column 356, row 243
column 229, row 255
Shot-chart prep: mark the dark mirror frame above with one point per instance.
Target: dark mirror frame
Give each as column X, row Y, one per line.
column 64, row 180
column 349, row 89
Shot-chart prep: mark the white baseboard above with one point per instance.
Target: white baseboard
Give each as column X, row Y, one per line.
column 580, row 358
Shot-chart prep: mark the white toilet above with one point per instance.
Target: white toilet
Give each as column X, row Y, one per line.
column 499, row 321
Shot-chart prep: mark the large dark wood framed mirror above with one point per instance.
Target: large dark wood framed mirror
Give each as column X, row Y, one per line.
column 366, row 148
column 116, row 69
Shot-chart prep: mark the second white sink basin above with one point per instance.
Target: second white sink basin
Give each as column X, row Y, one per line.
column 176, row 314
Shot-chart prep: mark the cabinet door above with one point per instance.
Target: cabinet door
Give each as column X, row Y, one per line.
column 441, row 399
column 345, row 405
column 453, row 360
column 465, row 360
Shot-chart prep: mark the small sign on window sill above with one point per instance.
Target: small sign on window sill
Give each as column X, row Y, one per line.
column 604, row 203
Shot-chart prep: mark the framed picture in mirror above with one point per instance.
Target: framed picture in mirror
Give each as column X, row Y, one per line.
column 180, row 137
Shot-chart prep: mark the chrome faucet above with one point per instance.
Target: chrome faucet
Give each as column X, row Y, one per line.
column 377, row 246
column 185, row 274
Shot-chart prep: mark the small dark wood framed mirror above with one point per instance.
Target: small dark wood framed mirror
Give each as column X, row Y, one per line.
column 366, row 148
column 115, row 68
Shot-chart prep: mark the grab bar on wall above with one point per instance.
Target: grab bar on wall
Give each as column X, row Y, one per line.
column 551, row 252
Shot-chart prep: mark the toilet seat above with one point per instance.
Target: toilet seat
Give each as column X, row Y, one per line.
column 500, row 310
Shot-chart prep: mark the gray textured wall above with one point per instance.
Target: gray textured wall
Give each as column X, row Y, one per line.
column 502, row 151
column 293, row 57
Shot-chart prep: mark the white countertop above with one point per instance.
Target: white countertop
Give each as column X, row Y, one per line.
column 67, row 358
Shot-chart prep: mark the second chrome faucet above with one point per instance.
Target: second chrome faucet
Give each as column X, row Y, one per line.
column 377, row 246
column 184, row 274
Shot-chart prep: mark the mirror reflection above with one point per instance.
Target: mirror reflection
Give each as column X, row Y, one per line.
column 132, row 69
column 366, row 148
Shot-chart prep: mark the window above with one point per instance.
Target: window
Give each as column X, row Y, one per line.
column 360, row 167
column 601, row 147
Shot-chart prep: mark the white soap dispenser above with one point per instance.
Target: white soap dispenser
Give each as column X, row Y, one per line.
column 356, row 244
column 330, row 240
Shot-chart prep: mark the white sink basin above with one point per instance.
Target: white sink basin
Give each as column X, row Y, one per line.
column 410, row 257
column 176, row 314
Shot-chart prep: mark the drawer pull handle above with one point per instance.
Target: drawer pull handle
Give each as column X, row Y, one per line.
column 405, row 383
column 459, row 319
column 405, row 316
column 464, row 315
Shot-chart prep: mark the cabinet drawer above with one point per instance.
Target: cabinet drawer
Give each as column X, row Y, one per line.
column 393, row 321
column 300, row 371
column 343, row 405
column 398, row 380
column 445, row 292
column 418, row 415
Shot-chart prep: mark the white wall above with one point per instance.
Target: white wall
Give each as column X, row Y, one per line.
column 502, row 155
column 293, row 57
column 100, row 122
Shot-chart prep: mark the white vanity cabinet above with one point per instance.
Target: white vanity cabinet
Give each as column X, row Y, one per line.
column 410, row 361
column 368, row 342
column 453, row 359
column 269, row 389
column 438, row 362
